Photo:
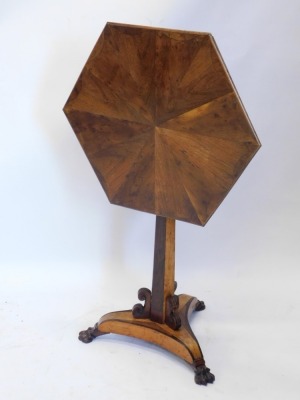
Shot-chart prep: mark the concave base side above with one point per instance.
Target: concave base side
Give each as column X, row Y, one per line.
column 181, row 342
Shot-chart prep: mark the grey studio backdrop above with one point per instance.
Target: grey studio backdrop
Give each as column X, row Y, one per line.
column 67, row 256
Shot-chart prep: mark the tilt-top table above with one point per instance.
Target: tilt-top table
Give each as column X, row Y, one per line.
column 163, row 127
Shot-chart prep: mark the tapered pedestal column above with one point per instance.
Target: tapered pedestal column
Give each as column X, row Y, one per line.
column 164, row 318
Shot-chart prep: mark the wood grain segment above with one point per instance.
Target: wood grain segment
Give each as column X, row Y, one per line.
column 160, row 121
column 181, row 342
column 163, row 268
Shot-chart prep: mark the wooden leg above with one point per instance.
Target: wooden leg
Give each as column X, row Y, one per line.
column 90, row 334
column 181, row 342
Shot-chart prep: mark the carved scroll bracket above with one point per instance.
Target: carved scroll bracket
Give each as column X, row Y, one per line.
column 172, row 316
column 143, row 311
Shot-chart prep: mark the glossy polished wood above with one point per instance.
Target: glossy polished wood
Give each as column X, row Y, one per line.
column 165, row 131
column 161, row 122
column 182, row 342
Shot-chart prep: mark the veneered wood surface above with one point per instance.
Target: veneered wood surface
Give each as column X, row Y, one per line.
column 181, row 342
column 161, row 122
column 163, row 268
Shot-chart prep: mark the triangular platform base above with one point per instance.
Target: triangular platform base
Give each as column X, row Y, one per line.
column 181, row 342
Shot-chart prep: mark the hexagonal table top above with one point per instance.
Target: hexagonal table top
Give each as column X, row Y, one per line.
column 161, row 122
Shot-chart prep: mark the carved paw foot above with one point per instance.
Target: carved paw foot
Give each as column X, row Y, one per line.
column 89, row 335
column 203, row 376
column 200, row 306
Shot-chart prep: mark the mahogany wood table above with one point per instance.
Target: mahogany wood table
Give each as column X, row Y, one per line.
column 165, row 131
